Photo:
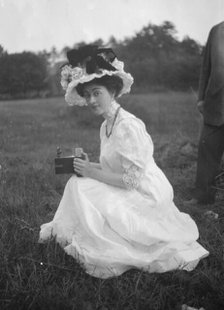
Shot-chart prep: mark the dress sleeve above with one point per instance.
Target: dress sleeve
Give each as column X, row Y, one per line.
column 135, row 149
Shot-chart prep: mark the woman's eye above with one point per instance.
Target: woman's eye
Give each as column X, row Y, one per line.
column 96, row 93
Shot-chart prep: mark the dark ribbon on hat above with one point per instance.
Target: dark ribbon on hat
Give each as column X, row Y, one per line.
column 92, row 57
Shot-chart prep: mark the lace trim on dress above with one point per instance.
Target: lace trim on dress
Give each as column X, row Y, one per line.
column 131, row 177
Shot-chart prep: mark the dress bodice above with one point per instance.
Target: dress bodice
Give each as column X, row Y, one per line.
column 129, row 151
column 129, row 144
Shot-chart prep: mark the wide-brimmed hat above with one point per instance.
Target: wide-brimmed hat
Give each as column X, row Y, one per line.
column 87, row 63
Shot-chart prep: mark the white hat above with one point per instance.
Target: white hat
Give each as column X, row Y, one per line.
column 87, row 63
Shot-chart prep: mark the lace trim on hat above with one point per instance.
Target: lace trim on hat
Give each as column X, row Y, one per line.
column 71, row 77
column 131, row 177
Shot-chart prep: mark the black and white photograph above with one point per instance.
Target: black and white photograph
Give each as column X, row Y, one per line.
column 111, row 155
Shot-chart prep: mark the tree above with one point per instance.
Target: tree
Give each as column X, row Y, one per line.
column 190, row 46
column 157, row 59
column 2, row 51
column 22, row 73
column 112, row 42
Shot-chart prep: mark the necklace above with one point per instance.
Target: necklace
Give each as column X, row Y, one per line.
column 108, row 134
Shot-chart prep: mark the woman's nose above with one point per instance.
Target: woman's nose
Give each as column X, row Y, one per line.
column 92, row 100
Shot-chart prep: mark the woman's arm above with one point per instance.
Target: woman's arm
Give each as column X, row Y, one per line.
column 95, row 165
column 92, row 170
column 107, row 177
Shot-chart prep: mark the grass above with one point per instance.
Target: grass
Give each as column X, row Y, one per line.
column 36, row 276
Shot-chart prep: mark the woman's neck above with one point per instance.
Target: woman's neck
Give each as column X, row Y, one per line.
column 110, row 114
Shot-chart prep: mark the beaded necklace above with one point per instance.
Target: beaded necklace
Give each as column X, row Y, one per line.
column 115, row 117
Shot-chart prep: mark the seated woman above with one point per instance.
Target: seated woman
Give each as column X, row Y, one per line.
column 120, row 214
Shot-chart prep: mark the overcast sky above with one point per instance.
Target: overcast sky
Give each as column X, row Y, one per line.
column 35, row 25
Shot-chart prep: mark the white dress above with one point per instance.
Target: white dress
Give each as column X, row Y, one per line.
column 110, row 229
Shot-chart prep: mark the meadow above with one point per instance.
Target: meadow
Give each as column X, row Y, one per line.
column 42, row 276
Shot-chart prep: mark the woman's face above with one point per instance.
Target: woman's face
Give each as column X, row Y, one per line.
column 98, row 98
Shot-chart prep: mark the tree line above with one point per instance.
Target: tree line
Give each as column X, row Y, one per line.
column 155, row 57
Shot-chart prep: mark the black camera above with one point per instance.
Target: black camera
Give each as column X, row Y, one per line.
column 64, row 165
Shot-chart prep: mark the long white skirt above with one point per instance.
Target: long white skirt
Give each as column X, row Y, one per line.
column 110, row 230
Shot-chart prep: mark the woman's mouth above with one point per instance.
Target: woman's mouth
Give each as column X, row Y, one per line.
column 94, row 107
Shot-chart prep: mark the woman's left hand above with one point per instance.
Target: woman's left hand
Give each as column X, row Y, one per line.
column 82, row 166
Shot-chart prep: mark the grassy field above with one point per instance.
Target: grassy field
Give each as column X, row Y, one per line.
column 37, row 276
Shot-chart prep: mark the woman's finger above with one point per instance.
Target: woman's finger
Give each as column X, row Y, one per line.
column 77, row 160
column 78, row 169
column 86, row 156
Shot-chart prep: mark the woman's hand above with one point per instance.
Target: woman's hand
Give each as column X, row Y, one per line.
column 94, row 171
column 81, row 166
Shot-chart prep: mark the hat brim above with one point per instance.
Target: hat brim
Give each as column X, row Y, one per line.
column 73, row 98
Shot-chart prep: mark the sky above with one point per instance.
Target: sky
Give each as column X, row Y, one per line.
column 35, row 25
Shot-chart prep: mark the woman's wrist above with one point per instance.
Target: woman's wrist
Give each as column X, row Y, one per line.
column 91, row 171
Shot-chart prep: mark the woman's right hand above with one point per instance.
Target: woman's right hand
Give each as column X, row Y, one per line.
column 82, row 166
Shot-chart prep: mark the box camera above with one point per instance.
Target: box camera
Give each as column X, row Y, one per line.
column 64, row 165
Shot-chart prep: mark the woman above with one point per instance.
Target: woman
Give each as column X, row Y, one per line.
column 121, row 214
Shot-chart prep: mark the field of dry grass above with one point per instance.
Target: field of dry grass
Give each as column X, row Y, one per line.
column 37, row 276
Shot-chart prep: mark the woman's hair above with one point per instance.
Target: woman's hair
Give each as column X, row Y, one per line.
column 113, row 84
